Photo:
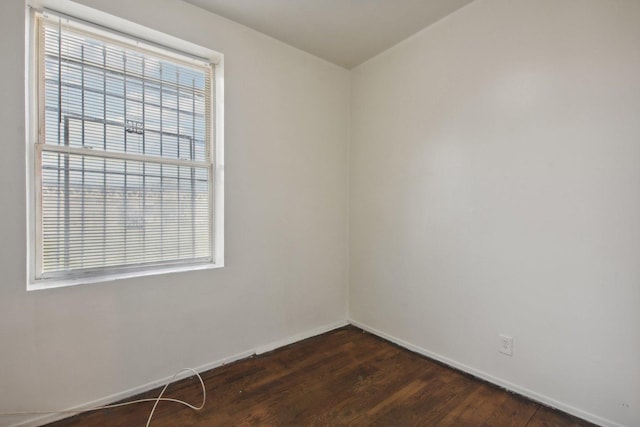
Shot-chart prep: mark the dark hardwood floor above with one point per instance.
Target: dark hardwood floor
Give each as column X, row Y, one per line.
column 344, row 377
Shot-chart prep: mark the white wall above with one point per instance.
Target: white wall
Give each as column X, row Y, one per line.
column 287, row 135
column 495, row 187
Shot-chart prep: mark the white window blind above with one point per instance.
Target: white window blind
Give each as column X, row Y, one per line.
column 123, row 157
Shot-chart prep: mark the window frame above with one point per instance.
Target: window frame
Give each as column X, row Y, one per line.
column 110, row 28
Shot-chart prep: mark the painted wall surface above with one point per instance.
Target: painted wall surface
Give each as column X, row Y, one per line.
column 287, row 135
column 495, row 188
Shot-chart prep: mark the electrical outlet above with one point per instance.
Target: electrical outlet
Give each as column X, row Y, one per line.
column 506, row 345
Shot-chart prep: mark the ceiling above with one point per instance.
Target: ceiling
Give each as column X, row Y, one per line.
column 345, row 32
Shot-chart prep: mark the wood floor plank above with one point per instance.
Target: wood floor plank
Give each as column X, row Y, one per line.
column 548, row 417
column 343, row 377
column 476, row 408
column 444, row 401
column 513, row 412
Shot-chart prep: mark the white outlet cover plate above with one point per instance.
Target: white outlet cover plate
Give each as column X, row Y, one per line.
column 506, row 345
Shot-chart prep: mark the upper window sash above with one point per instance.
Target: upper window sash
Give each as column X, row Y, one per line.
column 70, row 28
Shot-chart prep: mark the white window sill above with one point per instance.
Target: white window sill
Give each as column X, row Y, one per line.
column 34, row 285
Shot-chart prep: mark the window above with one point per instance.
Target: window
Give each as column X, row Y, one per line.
column 124, row 155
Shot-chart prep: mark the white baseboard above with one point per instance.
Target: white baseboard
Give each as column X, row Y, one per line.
column 545, row 400
column 41, row 420
column 301, row 336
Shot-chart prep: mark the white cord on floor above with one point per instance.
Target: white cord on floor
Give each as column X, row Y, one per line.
column 117, row 405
